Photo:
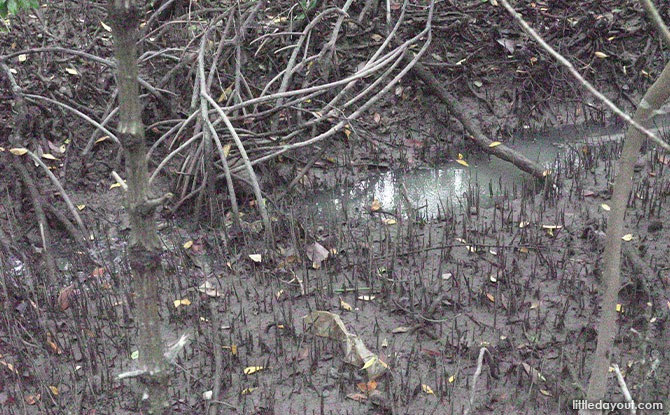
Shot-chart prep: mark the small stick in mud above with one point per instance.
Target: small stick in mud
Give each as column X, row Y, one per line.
column 475, row 378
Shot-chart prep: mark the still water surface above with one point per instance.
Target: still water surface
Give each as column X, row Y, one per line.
column 429, row 190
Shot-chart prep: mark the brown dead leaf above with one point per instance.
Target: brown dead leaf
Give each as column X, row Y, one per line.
column 53, row 346
column 98, row 272
column 65, row 297
column 367, row 387
column 317, row 254
column 32, row 399
column 9, row 366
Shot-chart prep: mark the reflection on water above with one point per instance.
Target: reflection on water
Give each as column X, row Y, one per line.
column 447, row 186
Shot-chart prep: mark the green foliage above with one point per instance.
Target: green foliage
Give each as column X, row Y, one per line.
column 13, row 6
column 306, row 5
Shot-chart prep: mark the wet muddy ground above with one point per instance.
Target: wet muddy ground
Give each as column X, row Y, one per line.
column 519, row 279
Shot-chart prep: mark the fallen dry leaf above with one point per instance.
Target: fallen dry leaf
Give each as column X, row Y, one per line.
column 317, row 254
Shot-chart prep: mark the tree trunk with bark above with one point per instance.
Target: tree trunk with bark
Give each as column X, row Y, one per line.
column 144, row 249
column 657, row 94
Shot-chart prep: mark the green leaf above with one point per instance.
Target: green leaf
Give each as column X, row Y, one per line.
column 12, row 6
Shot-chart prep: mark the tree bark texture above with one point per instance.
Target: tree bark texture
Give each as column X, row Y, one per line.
column 144, row 248
column 657, row 94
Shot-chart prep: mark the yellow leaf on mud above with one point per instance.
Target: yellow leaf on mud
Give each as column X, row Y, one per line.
column 225, row 94
column 427, row 389
column 606, row 207
column 461, row 160
column 248, row 391
column 345, row 306
column 366, row 297
column 48, row 156
column 545, row 392
column 600, row 55
column 376, row 205
column 389, row 221
column 71, row 71
column 369, row 363
column 9, row 366
column 347, row 130
column 105, row 26
column 18, row 151
column 256, row 257
column 252, row 369
column 188, row 244
column 53, row 389
column 101, row 139
column 495, row 144
column 182, row 302
column 619, row 308
column 452, row 378
column 490, row 297
column 226, row 150
column 627, row 237
column 81, row 207
column 23, row 57
column 135, row 355
column 233, row 349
